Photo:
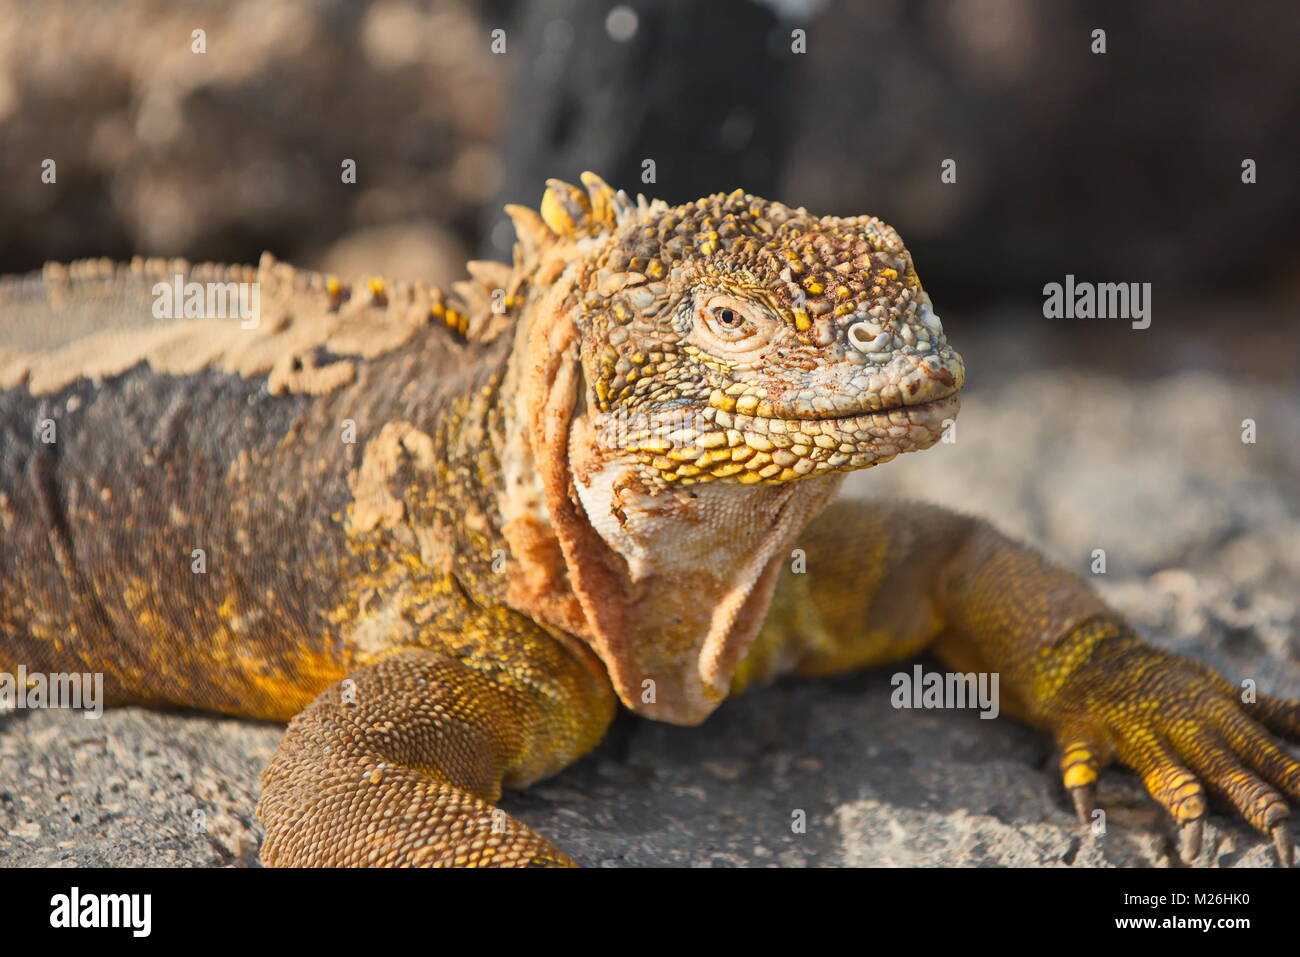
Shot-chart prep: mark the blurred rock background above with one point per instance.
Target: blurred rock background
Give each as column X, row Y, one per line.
column 223, row 154
column 1122, row 167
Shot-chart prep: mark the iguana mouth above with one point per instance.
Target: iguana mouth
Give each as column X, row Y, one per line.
column 792, row 416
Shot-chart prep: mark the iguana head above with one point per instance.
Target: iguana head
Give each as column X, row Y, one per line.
column 717, row 365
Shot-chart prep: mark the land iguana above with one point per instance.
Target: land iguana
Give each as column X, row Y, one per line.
column 445, row 535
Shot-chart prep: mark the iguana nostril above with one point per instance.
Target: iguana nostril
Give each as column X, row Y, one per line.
column 864, row 338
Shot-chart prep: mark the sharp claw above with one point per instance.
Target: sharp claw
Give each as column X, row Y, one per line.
column 1285, row 846
column 1189, row 840
column 1085, row 802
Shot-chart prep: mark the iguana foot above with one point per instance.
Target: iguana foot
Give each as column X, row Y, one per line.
column 1184, row 730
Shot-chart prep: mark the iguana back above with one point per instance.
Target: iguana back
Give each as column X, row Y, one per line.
column 195, row 480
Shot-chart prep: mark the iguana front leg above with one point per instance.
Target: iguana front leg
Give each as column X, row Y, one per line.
column 400, row 764
column 884, row 581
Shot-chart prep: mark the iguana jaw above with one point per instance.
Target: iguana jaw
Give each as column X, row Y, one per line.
column 710, row 445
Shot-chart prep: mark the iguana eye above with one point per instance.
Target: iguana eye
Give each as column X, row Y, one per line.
column 726, row 318
column 731, row 326
column 725, row 321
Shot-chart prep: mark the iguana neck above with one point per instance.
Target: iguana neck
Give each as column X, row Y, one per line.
column 695, row 572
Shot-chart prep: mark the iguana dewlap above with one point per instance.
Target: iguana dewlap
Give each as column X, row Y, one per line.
column 447, row 534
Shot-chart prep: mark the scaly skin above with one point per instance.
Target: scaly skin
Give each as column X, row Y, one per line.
column 570, row 483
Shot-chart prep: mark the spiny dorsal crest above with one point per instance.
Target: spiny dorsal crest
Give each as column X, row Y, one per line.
column 568, row 212
column 481, row 306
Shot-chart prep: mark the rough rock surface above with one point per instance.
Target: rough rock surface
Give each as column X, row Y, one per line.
column 1202, row 539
